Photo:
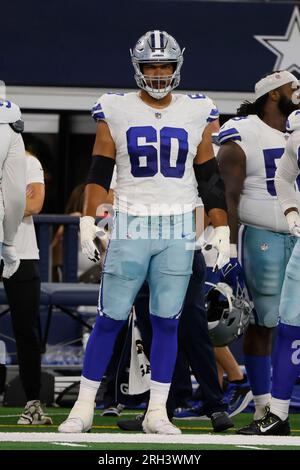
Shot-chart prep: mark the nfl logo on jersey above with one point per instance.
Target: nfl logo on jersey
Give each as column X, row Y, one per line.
column 158, row 115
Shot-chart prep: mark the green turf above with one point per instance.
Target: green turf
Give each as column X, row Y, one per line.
column 9, row 416
column 129, row 446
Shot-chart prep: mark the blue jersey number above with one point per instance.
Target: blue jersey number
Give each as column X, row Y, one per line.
column 144, row 158
column 270, row 155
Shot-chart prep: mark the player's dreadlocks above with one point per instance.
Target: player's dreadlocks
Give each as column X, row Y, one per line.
column 257, row 107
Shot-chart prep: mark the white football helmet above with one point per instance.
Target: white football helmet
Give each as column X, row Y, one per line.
column 228, row 315
column 152, row 47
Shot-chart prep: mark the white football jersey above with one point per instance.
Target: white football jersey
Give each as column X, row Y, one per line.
column 288, row 172
column 155, row 149
column 12, row 172
column 263, row 147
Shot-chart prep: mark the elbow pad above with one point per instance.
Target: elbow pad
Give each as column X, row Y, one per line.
column 211, row 187
column 101, row 171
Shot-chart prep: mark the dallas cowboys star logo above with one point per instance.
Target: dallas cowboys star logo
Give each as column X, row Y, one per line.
column 286, row 47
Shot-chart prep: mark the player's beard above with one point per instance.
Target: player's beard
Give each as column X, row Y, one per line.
column 286, row 106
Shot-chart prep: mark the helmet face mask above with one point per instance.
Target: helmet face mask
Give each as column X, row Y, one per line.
column 157, row 47
column 228, row 315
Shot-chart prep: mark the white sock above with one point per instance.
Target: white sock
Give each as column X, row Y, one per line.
column 88, row 390
column 280, row 408
column 158, row 393
column 261, row 401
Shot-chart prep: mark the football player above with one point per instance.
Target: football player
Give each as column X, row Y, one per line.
column 155, row 138
column 251, row 146
column 13, row 182
column 286, row 362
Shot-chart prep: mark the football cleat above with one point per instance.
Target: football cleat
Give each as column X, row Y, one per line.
column 156, row 421
column 80, row 418
column 272, row 425
column 250, row 429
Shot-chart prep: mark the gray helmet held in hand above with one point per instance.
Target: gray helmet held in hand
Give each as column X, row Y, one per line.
column 228, row 315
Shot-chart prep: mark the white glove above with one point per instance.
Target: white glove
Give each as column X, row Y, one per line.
column 221, row 243
column 293, row 220
column 88, row 233
column 10, row 259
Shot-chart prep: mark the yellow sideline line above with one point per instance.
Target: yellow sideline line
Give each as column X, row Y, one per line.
column 42, row 426
column 49, row 426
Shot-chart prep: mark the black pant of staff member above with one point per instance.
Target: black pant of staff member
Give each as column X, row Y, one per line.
column 23, row 295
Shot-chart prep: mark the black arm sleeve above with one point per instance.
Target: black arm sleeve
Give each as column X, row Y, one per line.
column 211, row 187
column 101, row 171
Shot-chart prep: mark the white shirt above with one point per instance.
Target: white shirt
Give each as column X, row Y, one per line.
column 155, row 149
column 25, row 241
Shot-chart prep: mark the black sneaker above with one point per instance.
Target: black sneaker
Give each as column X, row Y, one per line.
column 250, row 429
column 238, row 395
column 114, row 410
column 135, row 424
column 272, row 425
column 220, row 421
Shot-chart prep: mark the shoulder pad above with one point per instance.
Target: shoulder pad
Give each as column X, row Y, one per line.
column 104, row 104
column 97, row 112
column 205, row 106
column 293, row 121
column 9, row 112
column 231, row 130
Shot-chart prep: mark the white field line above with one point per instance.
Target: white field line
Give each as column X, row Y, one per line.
column 150, row 438
column 69, row 444
column 253, row 447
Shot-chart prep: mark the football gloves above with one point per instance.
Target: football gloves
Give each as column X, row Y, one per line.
column 293, row 220
column 88, row 233
column 221, row 243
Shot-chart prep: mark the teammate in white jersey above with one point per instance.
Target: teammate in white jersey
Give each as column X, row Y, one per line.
column 155, row 138
column 251, row 146
column 12, row 182
column 286, row 362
